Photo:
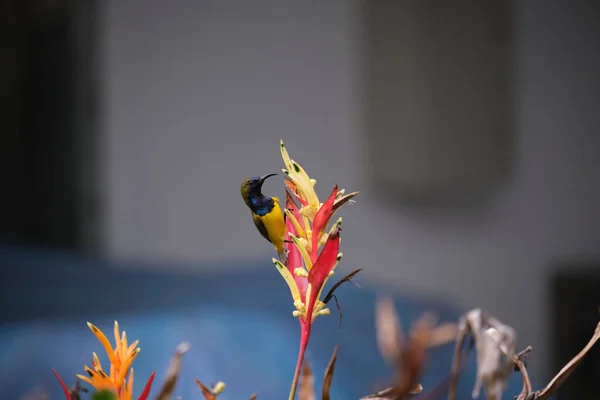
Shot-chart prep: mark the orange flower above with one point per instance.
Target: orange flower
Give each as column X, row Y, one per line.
column 120, row 357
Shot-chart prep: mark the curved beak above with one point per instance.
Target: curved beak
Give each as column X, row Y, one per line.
column 263, row 178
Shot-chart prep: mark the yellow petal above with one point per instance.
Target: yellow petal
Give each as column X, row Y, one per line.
column 289, row 279
column 104, row 341
column 324, row 311
column 319, row 305
column 299, row 230
column 218, row 389
column 307, row 225
column 284, row 154
column 302, row 249
column 300, row 178
column 309, row 213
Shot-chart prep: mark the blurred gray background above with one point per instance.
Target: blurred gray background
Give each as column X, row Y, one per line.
column 193, row 96
column 198, row 94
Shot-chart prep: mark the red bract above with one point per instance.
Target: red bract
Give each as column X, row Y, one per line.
column 320, row 222
column 146, row 391
column 63, row 385
column 323, row 266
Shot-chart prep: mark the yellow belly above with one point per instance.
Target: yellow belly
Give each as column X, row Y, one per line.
column 275, row 225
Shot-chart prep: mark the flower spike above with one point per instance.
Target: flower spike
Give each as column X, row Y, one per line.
column 312, row 249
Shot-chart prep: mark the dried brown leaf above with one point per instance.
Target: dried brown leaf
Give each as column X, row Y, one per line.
column 166, row 392
column 493, row 339
column 307, row 383
column 413, row 354
column 206, row 392
column 443, row 334
column 409, row 357
column 329, row 375
column 389, row 331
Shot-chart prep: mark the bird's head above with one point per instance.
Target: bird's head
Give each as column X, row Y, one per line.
column 251, row 188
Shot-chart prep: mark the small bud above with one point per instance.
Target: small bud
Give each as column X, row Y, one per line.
column 301, row 272
column 218, row 388
column 300, row 306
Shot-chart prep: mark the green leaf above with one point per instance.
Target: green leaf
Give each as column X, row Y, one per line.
column 104, row 395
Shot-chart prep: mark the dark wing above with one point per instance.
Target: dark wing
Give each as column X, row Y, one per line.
column 260, row 226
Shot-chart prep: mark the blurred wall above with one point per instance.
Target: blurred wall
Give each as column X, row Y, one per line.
column 197, row 94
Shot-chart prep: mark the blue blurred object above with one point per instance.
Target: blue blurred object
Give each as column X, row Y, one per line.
column 239, row 326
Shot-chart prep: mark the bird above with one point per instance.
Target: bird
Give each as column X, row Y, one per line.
column 266, row 213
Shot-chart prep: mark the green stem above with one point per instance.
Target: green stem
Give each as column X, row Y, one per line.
column 304, row 336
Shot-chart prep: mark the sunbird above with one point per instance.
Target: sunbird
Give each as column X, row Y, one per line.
column 266, row 213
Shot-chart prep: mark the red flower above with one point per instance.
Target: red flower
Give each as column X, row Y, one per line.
column 312, row 251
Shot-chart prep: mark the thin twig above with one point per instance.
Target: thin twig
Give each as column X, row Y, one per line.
column 457, row 358
column 526, row 391
column 564, row 373
column 330, row 295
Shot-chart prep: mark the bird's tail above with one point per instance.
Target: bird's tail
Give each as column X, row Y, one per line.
column 283, row 256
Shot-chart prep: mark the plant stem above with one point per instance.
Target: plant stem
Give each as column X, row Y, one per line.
column 304, row 336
